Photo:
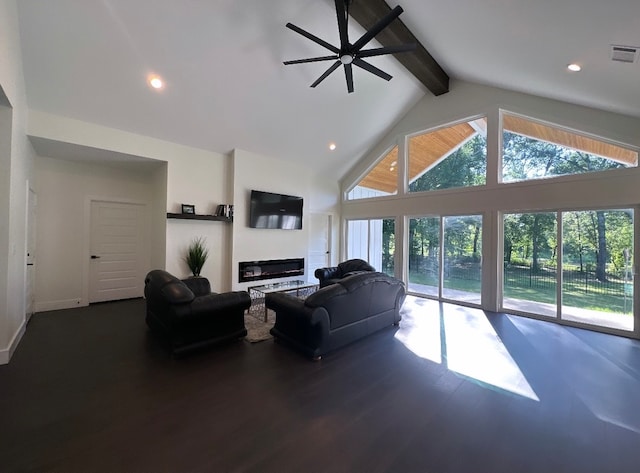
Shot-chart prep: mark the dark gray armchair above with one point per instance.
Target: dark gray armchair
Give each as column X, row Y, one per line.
column 187, row 315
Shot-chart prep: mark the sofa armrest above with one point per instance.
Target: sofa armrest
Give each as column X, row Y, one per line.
column 215, row 305
column 279, row 301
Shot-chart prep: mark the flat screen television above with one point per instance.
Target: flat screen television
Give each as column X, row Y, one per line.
column 270, row 210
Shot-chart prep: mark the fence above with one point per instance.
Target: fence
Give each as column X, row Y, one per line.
column 544, row 278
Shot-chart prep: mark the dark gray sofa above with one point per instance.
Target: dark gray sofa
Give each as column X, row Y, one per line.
column 338, row 314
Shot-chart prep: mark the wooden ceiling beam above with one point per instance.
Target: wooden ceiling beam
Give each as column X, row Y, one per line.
column 419, row 62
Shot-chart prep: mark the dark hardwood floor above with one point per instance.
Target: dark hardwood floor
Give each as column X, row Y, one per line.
column 452, row 390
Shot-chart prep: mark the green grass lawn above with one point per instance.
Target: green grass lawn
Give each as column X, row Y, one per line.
column 574, row 293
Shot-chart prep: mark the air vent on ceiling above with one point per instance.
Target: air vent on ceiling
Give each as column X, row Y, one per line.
column 627, row 54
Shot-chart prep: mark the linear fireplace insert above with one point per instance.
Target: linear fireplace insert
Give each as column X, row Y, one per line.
column 270, row 269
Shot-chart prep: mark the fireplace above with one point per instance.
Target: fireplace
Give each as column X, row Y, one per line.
column 270, row 269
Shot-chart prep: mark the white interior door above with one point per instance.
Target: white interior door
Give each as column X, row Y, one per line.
column 319, row 243
column 118, row 254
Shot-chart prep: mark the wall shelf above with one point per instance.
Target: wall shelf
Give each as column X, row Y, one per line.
column 215, row 218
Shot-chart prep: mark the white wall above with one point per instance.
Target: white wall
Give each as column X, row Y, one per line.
column 64, row 189
column 16, row 163
column 253, row 171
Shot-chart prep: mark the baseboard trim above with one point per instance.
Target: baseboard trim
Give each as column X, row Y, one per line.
column 59, row 305
column 7, row 353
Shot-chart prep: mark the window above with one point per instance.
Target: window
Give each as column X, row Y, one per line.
column 532, row 150
column 450, row 157
column 381, row 180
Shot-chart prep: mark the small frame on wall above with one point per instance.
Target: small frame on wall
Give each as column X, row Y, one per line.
column 188, row 209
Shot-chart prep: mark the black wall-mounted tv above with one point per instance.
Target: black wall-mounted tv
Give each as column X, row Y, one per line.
column 269, row 210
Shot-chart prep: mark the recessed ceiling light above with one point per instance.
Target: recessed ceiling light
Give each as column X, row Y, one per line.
column 155, row 81
column 574, row 67
column 332, row 146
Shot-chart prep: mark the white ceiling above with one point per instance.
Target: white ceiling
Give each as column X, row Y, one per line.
column 226, row 86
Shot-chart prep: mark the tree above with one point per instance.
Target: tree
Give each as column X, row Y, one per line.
column 465, row 167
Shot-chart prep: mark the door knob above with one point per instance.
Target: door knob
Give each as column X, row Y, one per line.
column 95, row 257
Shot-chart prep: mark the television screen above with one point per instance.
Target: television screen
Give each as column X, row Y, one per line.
column 269, row 210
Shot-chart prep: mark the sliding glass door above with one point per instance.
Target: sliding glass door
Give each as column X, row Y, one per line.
column 458, row 275
column 582, row 273
column 597, row 268
column 462, row 268
column 529, row 262
column 424, row 256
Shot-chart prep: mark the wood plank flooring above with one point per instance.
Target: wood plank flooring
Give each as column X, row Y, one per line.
column 452, row 390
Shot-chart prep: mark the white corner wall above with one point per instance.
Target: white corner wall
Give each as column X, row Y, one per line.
column 16, row 164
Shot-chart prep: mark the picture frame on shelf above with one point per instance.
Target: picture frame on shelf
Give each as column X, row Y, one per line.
column 188, row 209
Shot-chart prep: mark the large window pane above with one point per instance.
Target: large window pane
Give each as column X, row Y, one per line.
column 529, row 261
column 462, row 277
column 381, row 180
column 533, row 150
column 597, row 268
column 454, row 156
column 424, row 255
column 372, row 240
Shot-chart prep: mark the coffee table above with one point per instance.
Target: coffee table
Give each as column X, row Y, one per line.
column 257, row 293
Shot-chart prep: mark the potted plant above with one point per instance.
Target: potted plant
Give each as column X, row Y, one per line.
column 197, row 254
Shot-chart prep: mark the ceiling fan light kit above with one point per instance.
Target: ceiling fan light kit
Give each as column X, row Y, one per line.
column 349, row 54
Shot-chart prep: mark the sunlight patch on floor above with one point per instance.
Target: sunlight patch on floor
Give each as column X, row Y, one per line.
column 605, row 382
column 464, row 341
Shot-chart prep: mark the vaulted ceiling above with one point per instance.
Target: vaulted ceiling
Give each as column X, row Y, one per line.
column 226, row 86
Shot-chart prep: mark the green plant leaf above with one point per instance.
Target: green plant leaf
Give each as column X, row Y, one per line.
column 196, row 256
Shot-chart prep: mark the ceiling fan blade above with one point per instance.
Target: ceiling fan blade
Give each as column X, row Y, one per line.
column 372, row 69
column 313, row 38
column 401, row 48
column 377, row 28
column 342, row 14
column 348, row 74
column 333, row 67
column 311, row 59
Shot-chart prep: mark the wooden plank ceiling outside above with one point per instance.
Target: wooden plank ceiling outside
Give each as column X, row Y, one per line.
column 538, row 131
column 384, row 177
column 424, row 152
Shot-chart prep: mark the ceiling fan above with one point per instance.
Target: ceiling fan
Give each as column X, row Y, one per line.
column 349, row 54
